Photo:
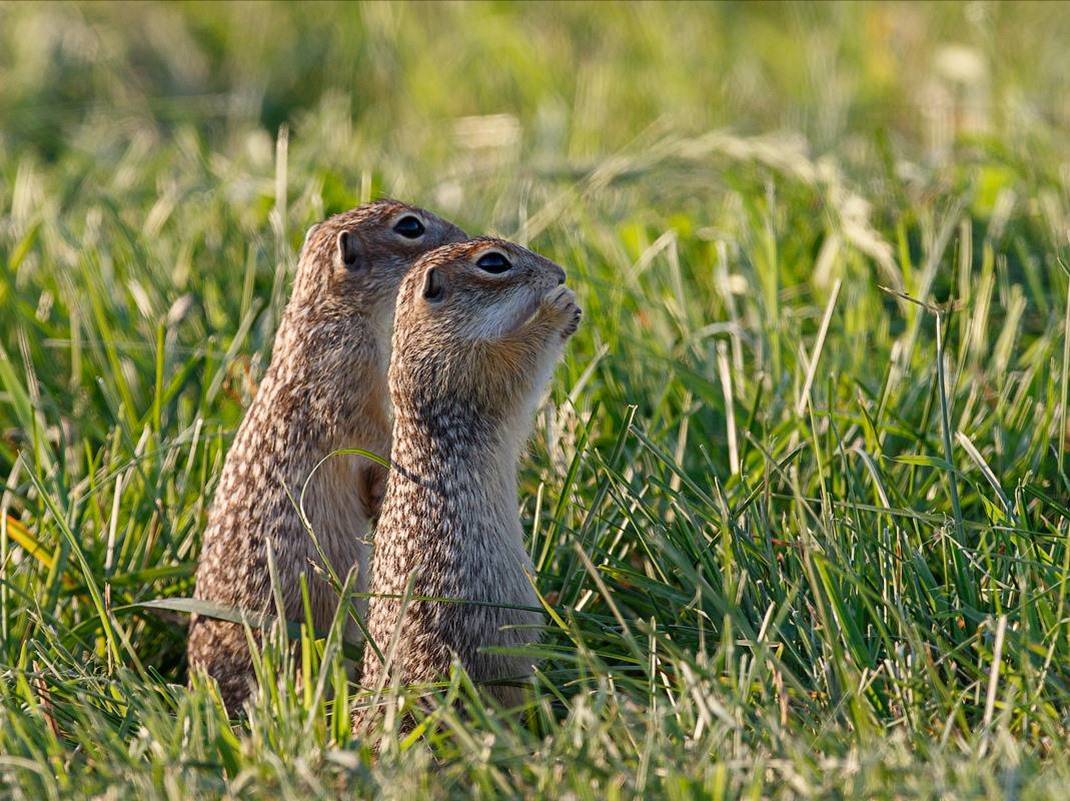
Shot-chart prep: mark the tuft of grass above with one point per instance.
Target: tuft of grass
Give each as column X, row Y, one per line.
column 797, row 501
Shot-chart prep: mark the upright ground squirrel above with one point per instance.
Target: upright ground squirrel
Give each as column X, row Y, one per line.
column 325, row 389
column 478, row 329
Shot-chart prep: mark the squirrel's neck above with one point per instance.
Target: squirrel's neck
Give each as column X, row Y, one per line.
column 450, row 509
column 438, row 445
column 324, row 389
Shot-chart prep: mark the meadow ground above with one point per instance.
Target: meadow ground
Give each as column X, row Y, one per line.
column 798, row 499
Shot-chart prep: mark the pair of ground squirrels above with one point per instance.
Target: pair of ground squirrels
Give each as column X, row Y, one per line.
column 478, row 325
column 324, row 390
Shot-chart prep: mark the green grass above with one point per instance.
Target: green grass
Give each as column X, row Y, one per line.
column 799, row 497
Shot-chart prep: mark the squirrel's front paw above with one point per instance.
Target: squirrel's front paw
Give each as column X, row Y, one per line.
column 562, row 302
column 572, row 322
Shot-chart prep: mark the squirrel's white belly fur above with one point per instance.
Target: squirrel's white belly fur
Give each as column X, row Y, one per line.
column 340, row 526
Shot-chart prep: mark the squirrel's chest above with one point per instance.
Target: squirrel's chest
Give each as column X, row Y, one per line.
column 336, row 514
column 475, row 551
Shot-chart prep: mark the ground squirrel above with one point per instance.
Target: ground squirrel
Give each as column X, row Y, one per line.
column 478, row 329
column 325, row 389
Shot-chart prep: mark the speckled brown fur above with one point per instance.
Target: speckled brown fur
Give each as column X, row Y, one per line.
column 325, row 389
column 467, row 370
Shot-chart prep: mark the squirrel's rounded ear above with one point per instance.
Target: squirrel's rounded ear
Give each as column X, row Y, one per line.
column 349, row 250
column 434, row 286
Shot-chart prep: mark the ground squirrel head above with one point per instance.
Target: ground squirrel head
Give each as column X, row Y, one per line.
column 479, row 323
column 353, row 262
column 337, row 324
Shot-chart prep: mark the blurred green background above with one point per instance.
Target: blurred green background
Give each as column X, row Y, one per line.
column 581, row 80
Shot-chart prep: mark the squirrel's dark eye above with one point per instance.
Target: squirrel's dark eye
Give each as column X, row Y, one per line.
column 493, row 262
column 409, row 227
